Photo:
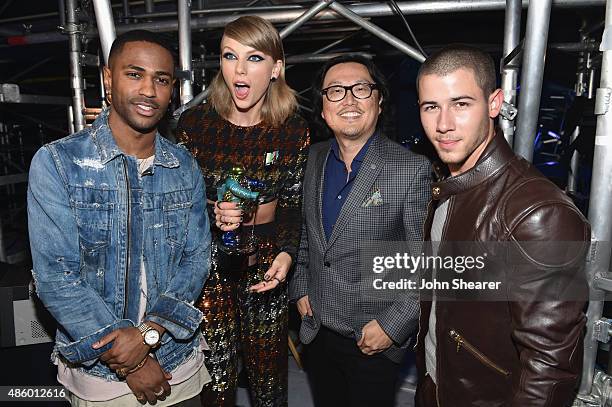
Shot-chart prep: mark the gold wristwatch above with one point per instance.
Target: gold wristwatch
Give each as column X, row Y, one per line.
column 150, row 335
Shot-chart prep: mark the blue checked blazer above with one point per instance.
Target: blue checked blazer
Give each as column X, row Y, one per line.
column 388, row 202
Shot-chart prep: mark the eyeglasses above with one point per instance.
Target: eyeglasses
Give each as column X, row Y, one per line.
column 336, row 93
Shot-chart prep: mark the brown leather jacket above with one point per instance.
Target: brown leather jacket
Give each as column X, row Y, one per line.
column 506, row 353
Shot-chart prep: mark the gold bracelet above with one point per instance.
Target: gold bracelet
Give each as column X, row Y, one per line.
column 138, row 366
column 123, row 373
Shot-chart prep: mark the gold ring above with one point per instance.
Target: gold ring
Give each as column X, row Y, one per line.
column 122, row 372
column 141, row 397
column 161, row 391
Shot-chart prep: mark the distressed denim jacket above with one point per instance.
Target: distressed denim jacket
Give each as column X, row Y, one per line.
column 93, row 219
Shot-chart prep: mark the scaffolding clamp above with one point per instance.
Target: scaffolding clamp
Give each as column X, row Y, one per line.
column 602, row 101
column 601, row 330
column 183, row 74
column 9, row 92
column 70, row 28
column 508, row 111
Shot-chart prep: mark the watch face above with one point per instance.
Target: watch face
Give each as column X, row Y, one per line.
column 151, row 337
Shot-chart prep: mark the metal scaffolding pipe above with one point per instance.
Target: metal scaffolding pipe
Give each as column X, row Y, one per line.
column 353, row 13
column 224, row 10
column 572, row 178
column 512, row 34
column 600, row 202
column 149, row 6
column 106, row 26
column 184, row 21
column 575, row 46
column 76, row 77
column 317, row 58
column 322, row 49
column 3, row 257
column 70, row 116
column 313, row 58
column 308, row 14
column 286, row 16
column 591, row 78
column 126, row 10
column 365, row 10
column 407, row 7
column 377, row 31
column 536, row 36
column 101, row 84
column 61, row 5
column 21, row 19
column 199, row 98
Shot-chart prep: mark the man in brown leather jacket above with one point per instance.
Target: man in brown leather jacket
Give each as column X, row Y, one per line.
column 518, row 353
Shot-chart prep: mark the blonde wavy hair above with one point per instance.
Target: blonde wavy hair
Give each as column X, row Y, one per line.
column 279, row 101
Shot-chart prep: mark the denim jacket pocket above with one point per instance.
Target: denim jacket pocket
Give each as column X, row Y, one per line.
column 94, row 222
column 175, row 221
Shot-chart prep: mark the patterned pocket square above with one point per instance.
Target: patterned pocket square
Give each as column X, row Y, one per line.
column 374, row 200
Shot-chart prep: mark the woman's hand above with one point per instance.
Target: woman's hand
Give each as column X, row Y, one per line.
column 276, row 274
column 228, row 215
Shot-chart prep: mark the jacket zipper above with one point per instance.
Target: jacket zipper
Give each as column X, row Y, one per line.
column 461, row 342
column 128, row 243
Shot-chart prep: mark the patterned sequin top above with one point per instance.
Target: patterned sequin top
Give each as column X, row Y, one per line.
column 275, row 155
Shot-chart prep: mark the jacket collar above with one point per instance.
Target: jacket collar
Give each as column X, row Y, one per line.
column 494, row 158
column 107, row 147
column 335, row 148
column 372, row 165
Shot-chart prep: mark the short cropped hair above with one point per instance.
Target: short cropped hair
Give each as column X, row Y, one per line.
column 457, row 56
column 279, row 101
column 317, row 98
column 138, row 36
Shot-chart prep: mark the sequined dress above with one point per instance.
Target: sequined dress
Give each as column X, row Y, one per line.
column 236, row 320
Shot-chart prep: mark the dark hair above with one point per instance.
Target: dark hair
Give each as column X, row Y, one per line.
column 457, row 56
column 322, row 130
column 136, row 36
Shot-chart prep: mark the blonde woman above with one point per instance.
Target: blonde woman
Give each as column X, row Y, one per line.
column 250, row 122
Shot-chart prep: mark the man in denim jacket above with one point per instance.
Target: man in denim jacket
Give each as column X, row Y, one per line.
column 120, row 242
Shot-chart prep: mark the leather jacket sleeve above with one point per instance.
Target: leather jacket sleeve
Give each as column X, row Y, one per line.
column 548, row 334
